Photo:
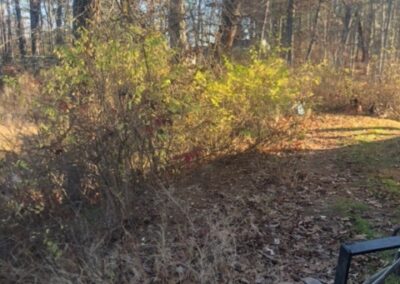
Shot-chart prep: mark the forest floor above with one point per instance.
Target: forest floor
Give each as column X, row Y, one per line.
column 296, row 202
column 285, row 208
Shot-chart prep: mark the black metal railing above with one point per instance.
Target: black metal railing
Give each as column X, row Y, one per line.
column 347, row 251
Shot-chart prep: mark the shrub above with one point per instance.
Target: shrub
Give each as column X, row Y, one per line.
column 248, row 100
column 117, row 116
column 118, row 110
column 378, row 96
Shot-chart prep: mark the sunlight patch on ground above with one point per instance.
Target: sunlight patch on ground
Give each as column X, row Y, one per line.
column 334, row 131
column 12, row 134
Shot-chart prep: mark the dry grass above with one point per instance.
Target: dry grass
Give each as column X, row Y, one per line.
column 251, row 218
column 16, row 98
column 12, row 135
column 256, row 217
column 179, row 246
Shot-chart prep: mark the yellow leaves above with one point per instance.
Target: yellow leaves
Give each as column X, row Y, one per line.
column 173, row 105
column 215, row 101
column 132, row 75
column 200, row 78
column 166, row 83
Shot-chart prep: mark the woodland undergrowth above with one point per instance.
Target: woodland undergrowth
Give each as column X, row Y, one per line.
column 88, row 197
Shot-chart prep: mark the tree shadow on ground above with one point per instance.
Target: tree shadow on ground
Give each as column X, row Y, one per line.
column 309, row 200
column 287, row 210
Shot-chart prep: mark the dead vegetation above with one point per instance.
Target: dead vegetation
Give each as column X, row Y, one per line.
column 266, row 216
column 272, row 213
column 115, row 189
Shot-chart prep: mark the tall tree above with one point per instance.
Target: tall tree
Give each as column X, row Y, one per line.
column 7, row 32
column 176, row 23
column 289, row 36
column 83, row 12
column 347, row 21
column 199, row 23
column 8, row 48
column 3, row 29
column 314, row 31
column 59, row 22
column 264, row 25
column 385, row 35
column 35, row 28
column 231, row 15
column 361, row 37
column 20, row 30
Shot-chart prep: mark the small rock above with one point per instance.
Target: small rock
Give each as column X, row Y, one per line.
column 180, row 270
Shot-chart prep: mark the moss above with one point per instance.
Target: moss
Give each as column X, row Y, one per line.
column 347, row 207
column 391, row 185
column 354, row 210
column 362, row 226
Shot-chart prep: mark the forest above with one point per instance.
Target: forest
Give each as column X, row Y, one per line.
column 197, row 141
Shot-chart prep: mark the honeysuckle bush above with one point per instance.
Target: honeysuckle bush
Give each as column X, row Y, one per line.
column 247, row 101
column 119, row 110
column 119, row 114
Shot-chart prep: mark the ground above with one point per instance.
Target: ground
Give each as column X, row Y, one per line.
column 275, row 214
column 338, row 181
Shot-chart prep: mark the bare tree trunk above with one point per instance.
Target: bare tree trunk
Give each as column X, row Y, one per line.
column 3, row 31
column 199, row 24
column 264, row 26
column 368, row 31
column 231, row 14
column 289, row 39
column 35, row 30
column 59, row 16
column 9, row 54
column 48, row 39
column 7, row 34
column 326, row 34
column 397, row 43
column 20, row 30
column 354, row 51
column 347, row 24
column 314, row 31
column 385, row 35
column 395, row 30
column 361, row 41
column 176, row 24
column 83, row 11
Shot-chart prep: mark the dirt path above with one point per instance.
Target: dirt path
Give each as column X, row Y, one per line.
column 339, row 181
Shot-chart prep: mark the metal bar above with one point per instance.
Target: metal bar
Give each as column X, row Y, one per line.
column 347, row 251
column 366, row 247
column 387, row 272
column 343, row 266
